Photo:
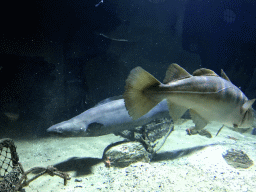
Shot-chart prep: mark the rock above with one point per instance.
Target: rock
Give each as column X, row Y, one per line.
column 144, row 141
column 123, row 154
column 237, row 159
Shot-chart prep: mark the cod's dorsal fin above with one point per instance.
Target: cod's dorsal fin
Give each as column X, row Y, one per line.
column 175, row 72
column 204, row 72
column 224, row 76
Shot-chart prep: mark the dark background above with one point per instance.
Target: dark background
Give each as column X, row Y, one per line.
column 60, row 58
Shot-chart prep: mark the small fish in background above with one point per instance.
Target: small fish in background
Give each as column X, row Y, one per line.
column 208, row 97
column 12, row 116
column 11, row 110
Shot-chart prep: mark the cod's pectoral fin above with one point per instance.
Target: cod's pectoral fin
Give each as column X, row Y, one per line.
column 175, row 72
column 224, row 76
column 204, row 72
column 176, row 111
column 247, row 105
column 199, row 122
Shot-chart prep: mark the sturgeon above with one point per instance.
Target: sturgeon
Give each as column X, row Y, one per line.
column 208, row 97
column 110, row 116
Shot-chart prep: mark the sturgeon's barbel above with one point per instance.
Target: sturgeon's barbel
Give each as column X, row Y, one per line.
column 108, row 117
column 208, row 97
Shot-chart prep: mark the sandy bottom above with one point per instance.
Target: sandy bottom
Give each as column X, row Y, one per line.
column 184, row 163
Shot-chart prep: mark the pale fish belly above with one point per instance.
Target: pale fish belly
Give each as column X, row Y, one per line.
column 223, row 107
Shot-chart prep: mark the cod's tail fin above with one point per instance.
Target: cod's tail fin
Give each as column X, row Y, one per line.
column 136, row 100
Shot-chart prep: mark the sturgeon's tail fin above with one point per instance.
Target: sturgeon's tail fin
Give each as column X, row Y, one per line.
column 137, row 102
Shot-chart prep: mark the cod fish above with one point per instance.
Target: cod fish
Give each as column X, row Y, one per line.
column 208, row 97
column 110, row 116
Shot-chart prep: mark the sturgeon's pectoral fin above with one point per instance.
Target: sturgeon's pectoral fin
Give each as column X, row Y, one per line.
column 94, row 128
column 199, row 122
column 176, row 111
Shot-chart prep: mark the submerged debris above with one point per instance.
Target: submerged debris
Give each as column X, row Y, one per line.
column 219, row 130
column 143, row 142
column 12, row 175
column 152, row 135
column 123, row 154
column 237, row 159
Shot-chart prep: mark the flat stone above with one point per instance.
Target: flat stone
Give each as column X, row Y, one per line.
column 125, row 153
column 237, row 159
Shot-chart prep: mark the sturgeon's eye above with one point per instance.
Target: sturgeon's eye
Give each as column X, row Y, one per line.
column 59, row 130
column 235, row 125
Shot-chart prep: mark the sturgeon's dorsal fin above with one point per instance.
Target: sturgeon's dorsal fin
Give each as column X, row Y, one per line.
column 204, row 72
column 109, row 100
column 247, row 105
column 174, row 73
column 224, row 76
